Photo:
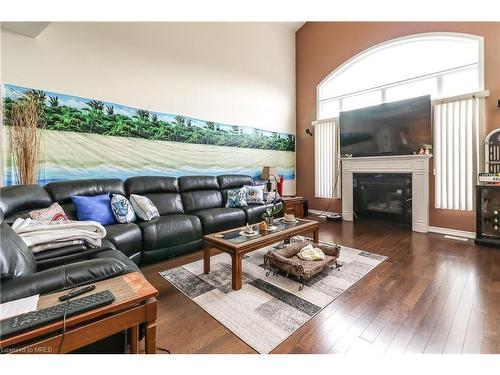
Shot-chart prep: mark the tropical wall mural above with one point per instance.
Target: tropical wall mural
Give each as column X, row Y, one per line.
column 86, row 138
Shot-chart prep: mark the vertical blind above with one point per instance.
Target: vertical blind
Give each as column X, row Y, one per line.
column 456, row 135
column 326, row 158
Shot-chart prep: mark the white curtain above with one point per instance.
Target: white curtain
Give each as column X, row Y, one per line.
column 456, row 135
column 326, row 158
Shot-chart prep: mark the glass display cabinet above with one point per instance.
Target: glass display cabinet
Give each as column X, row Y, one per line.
column 488, row 215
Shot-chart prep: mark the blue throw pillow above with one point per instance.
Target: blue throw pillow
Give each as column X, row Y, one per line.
column 97, row 208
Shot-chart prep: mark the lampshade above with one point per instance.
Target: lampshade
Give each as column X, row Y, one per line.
column 268, row 172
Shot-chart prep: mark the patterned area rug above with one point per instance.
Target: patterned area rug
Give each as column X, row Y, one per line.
column 267, row 309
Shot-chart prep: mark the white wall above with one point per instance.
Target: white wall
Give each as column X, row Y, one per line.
column 234, row 73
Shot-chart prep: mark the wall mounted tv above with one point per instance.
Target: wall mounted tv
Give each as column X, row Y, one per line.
column 397, row 128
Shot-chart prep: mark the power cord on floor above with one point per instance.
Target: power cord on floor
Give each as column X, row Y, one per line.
column 163, row 349
column 66, row 305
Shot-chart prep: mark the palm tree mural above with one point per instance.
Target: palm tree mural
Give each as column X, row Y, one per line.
column 96, row 105
column 94, row 116
column 110, row 110
column 142, row 114
column 180, row 120
column 54, row 101
column 37, row 95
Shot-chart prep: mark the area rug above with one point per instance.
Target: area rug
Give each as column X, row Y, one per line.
column 267, row 309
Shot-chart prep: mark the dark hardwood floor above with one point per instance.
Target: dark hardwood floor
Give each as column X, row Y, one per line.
column 432, row 295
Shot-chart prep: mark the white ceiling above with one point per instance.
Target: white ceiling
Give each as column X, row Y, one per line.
column 33, row 29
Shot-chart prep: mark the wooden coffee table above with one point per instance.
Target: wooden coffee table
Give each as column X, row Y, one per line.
column 231, row 242
column 134, row 304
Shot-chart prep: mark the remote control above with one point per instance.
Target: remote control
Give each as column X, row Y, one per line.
column 76, row 292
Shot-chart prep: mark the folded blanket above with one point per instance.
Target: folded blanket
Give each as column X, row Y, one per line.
column 309, row 252
column 35, row 233
column 55, row 245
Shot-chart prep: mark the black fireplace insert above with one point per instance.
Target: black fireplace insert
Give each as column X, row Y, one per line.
column 383, row 196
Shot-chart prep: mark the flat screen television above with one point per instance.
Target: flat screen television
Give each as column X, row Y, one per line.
column 397, row 128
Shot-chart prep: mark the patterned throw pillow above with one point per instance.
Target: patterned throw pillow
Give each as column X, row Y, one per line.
column 122, row 209
column 143, row 207
column 255, row 194
column 52, row 213
column 237, row 198
column 271, row 196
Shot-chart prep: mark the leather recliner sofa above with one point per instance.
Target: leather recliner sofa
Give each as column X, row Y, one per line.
column 189, row 207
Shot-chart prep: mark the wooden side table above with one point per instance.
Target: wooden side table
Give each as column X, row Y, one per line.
column 134, row 304
column 294, row 206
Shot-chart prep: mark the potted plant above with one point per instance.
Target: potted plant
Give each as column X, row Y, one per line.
column 271, row 212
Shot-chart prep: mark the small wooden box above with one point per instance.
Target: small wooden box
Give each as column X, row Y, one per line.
column 293, row 205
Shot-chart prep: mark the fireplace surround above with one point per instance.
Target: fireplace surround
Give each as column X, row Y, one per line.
column 416, row 166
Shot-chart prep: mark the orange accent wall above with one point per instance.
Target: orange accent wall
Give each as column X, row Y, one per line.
column 323, row 46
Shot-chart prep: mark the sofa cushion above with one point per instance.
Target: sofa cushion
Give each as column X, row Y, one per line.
column 218, row 219
column 231, row 182
column 254, row 212
column 227, row 181
column 170, row 230
column 22, row 199
column 162, row 191
column 199, row 192
column 125, row 237
column 194, row 183
column 61, row 191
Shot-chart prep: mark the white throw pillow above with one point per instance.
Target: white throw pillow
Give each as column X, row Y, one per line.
column 255, row 194
column 122, row 209
column 143, row 207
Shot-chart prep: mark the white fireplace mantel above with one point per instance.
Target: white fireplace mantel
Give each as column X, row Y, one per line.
column 417, row 165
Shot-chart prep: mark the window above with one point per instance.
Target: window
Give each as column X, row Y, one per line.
column 439, row 64
column 447, row 66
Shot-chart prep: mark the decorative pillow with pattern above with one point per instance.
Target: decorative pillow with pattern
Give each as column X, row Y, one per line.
column 237, row 198
column 271, row 196
column 122, row 209
column 255, row 194
column 143, row 207
column 52, row 213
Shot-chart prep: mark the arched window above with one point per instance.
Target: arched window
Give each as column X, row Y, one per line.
column 447, row 66
column 439, row 64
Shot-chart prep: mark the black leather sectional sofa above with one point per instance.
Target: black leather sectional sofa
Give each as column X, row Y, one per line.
column 189, row 207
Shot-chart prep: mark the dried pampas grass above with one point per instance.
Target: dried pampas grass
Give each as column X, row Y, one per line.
column 24, row 119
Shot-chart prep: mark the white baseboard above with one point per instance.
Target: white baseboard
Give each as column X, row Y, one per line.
column 440, row 230
column 452, row 232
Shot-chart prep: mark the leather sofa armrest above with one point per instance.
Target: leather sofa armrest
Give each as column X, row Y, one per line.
column 61, row 278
